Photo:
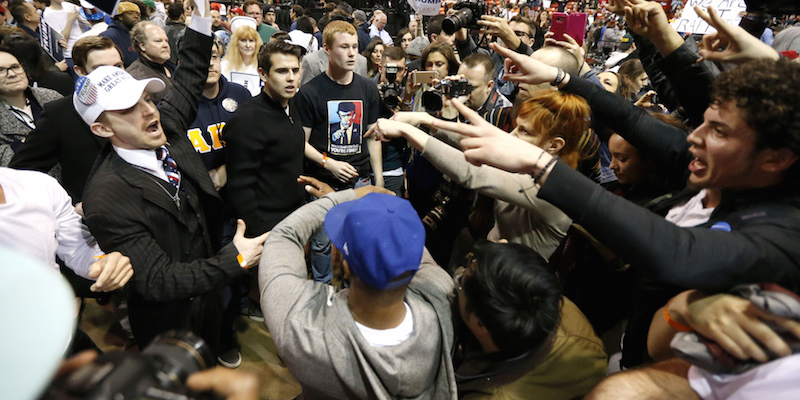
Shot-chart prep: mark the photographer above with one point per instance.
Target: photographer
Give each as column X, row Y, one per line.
column 516, row 34
column 390, row 84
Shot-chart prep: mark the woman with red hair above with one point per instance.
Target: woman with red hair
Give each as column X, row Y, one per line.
column 554, row 121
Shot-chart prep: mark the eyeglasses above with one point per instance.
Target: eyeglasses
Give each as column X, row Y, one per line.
column 521, row 33
column 17, row 68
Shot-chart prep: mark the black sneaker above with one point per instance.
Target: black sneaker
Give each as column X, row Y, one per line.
column 231, row 358
column 252, row 310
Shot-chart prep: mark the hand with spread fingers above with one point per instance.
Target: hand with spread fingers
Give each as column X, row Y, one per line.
column 498, row 27
column 487, row 144
column 524, row 69
column 111, row 272
column 731, row 43
column 645, row 18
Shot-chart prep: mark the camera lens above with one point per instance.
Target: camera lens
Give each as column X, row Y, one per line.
column 457, row 21
column 432, row 100
column 179, row 355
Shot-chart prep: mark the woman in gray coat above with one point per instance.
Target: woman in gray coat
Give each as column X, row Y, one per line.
column 20, row 105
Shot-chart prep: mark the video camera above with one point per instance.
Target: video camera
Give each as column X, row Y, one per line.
column 158, row 372
column 432, row 98
column 390, row 92
column 467, row 16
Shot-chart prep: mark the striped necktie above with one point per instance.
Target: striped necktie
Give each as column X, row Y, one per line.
column 170, row 167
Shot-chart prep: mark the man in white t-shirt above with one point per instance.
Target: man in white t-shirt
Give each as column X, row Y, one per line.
column 65, row 18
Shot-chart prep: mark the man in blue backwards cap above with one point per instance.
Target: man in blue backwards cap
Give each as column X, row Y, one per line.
column 390, row 334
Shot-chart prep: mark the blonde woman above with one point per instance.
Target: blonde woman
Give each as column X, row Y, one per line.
column 240, row 64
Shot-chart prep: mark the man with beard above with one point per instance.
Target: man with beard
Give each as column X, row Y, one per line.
column 128, row 14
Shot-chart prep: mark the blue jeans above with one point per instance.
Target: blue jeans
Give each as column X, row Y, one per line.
column 321, row 269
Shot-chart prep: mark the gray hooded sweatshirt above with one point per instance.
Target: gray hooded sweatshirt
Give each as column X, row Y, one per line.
column 317, row 336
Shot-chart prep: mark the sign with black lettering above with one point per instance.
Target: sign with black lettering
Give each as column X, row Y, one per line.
column 689, row 22
column 48, row 39
column 426, row 7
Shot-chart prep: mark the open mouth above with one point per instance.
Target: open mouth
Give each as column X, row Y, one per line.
column 153, row 127
column 697, row 165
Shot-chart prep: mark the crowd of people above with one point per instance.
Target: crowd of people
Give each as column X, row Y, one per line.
column 423, row 213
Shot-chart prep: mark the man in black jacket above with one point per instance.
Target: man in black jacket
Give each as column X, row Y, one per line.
column 151, row 195
column 265, row 159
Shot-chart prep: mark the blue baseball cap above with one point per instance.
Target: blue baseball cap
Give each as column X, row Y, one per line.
column 380, row 236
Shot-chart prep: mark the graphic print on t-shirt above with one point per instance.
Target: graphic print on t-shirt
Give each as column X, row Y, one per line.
column 344, row 121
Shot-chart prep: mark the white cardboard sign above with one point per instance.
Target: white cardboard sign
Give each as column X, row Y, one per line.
column 426, row 7
column 689, row 22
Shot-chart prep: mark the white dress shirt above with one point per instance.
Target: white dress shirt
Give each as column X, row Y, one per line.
column 145, row 160
column 38, row 219
column 385, row 36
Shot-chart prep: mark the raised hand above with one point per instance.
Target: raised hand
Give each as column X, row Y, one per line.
column 731, row 43
column 487, row 144
column 570, row 45
column 498, row 27
column 521, row 68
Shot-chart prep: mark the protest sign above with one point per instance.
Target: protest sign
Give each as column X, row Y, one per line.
column 689, row 22
column 426, row 7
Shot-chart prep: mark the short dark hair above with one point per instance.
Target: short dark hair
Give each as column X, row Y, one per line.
column 28, row 52
column 249, row 3
column 520, row 18
column 82, row 48
column 276, row 47
column 175, row 10
column 280, row 36
column 513, row 294
column 19, row 12
column 305, row 25
column 474, row 60
column 766, row 93
column 435, row 25
column 298, row 10
column 394, row 52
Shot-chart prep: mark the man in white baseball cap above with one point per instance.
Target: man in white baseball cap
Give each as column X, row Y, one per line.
column 151, row 198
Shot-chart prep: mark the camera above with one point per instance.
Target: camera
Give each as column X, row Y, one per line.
column 390, row 92
column 158, row 372
column 432, row 98
column 467, row 16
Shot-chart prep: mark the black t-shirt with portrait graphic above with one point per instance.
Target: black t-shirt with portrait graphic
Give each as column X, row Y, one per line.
column 339, row 115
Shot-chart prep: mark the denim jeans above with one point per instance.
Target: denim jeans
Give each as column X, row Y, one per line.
column 321, row 269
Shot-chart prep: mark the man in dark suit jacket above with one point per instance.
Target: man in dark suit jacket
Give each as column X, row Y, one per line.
column 75, row 148
column 163, row 213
